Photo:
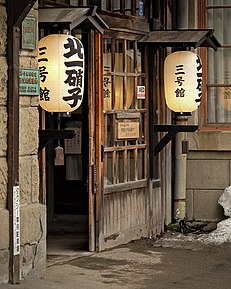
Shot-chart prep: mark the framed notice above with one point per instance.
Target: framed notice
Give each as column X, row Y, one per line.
column 29, row 81
column 128, row 129
column 29, row 31
column 73, row 145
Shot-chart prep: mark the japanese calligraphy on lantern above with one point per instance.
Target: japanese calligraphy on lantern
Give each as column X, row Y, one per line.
column 183, row 81
column 61, row 65
column 28, row 81
column 16, row 220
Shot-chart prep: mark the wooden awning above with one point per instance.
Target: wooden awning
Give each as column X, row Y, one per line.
column 182, row 38
column 73, row 16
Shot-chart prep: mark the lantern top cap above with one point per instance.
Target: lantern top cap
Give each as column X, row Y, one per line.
column 182, row 38
column 72, row 16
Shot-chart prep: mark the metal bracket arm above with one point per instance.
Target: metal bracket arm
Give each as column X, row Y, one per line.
column 48, row 134
column 171, row 130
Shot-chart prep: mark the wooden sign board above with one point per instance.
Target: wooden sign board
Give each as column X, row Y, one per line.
column 128, row 129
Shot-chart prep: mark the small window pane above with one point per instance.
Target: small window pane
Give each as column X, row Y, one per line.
column 119, row 56
column 219, row 105
column 109, row 135
column 131, row 166
column 119, row 93
column 130, row 57
column 140, row 164
column 130, row 92
column 120, row 166
column 108, row 168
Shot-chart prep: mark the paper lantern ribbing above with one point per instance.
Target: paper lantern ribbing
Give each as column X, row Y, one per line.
column 61, row 64
column 183, row 81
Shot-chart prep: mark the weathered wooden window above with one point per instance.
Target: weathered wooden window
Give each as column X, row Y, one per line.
column 128, row 7
column 124, row 111
column 218, row 63
column 53, row 3
column 59, row 3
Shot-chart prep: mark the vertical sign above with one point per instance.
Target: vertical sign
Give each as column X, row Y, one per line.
column 140, row 91
column 16, row 220
column 29, row 32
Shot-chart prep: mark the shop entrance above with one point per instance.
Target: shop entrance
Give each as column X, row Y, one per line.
column 67, row 184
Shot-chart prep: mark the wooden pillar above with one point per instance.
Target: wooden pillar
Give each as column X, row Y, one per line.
column 16, row 12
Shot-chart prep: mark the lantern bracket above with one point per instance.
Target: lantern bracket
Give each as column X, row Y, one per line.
column 46, row 135
column 171, row 130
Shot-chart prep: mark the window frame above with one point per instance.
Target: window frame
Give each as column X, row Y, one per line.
column 203, row 8
column 126, row 147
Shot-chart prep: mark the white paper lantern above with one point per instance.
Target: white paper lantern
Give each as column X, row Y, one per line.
column 61, row 64
column 183, row 81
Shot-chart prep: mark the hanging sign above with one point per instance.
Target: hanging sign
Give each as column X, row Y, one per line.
column 28, row 81
column 73, row 145
column 183, row 81
column 61, row 64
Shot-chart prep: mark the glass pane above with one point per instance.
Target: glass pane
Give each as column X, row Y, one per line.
column 219, row 68
column 140, row 164
column 119, row 56
column 120, row 143
column 219, row 105
column 128, row 7
column 109, row 135
column 219, row 19
column 139, row 61
column 131, row 165
column 120, row 167
column 130, row 95
column 119, row 93
column 130, row 57
column 131, row 142
column 142, row 134
column 108, row 168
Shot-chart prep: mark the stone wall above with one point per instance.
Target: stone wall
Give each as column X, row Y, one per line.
column 208, row 173
column 32, row 213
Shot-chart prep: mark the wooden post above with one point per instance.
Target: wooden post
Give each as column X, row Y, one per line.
column 16, row 12
column 13, row 141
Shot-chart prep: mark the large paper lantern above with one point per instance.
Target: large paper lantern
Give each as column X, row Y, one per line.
column 183, row 81
column 61, row 64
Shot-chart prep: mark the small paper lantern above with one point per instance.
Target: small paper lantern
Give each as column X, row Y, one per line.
column 183, row 81
column 61, row 64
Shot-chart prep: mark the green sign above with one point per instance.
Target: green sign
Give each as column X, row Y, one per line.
column 29, row 25
column 29, row 81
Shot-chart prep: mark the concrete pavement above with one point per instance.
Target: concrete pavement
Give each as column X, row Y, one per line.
column 175, row 261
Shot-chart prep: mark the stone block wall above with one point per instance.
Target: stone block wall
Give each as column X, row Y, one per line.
column 208, row 173
column 32, row 213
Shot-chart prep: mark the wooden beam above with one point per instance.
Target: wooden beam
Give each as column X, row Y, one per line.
column 171, row 130
column 19, row 11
